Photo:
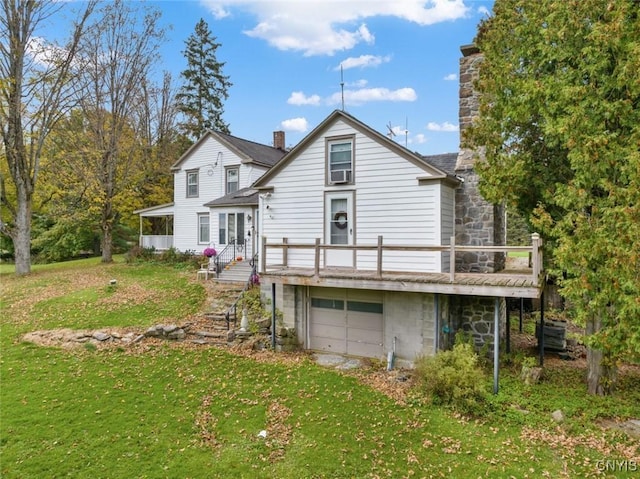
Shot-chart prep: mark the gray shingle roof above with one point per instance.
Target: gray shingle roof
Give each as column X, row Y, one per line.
column 244, row 196
column 445, row 161
column 261, row 154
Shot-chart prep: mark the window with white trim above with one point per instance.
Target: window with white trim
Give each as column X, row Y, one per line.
column 340, row 158
column 203, row 228
column 192, row 184
column 233, row 180
column 231, row 228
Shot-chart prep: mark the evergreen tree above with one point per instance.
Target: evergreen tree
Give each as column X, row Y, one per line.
column 560, row 124
column 201, row 97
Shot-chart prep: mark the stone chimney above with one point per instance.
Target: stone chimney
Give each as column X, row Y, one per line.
column 278, row 140
column 478, row 222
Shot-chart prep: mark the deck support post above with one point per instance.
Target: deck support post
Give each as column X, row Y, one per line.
column 508, row 332
column 273, row 316
column 541, row 332
column 496, row 345
column 436, row 339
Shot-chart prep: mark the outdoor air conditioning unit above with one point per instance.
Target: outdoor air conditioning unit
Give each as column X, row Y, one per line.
column 340, row 176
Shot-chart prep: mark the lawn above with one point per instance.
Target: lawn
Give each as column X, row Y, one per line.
column 177, row 410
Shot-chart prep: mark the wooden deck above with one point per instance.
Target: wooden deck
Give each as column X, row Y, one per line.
column 516, row 282
column 509, row 284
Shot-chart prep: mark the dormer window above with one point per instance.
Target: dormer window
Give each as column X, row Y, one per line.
column 340, row 161
column 192, row 184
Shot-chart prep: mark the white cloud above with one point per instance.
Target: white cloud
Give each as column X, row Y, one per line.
column 326, row 27
column 358, row 83
column 451, row 77
column 44, row 53
column 299, row 98
column 366, row 95
column 295, row 124
column 446, row 126
column 482, row 10
column 363, row 61
column 418, row 139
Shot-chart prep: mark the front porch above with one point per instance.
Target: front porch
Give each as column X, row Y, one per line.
column 157, row 220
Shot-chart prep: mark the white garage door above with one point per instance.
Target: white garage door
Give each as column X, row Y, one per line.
column 346, row 322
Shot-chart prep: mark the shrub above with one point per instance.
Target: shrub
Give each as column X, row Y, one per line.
column 454, row 378
column 138, row 253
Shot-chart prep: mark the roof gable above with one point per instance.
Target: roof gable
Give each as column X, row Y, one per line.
column 337, row 115
column 248, row 151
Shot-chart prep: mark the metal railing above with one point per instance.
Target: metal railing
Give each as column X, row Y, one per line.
column 253, row 280
column 229, row 254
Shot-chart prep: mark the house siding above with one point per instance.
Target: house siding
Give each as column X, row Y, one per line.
column 385, row 186
column 210, row 187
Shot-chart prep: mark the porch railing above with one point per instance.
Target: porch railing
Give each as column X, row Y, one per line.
column 159, row 242
column 534, row 251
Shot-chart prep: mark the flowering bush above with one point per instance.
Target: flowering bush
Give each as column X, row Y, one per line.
column 209, row 252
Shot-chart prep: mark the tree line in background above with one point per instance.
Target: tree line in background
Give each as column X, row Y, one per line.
column 88, row 134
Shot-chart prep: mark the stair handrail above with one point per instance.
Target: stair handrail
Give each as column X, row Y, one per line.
column 233, row 309
column 228, row 254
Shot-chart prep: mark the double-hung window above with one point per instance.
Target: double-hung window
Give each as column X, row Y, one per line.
column 340, row 159
column 203, row 228
column 233, row 180
column 192, row 184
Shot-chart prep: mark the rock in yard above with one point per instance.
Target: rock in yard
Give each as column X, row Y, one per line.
column 557, row 415
column 101, row 336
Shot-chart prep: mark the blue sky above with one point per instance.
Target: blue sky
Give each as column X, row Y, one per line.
column 399, row 57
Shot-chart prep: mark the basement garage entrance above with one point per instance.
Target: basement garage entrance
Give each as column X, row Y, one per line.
column 346, row 322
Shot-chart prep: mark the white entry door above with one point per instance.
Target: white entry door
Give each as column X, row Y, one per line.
column 339, row 228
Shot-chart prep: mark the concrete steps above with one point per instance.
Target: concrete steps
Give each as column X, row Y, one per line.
column 240, row 272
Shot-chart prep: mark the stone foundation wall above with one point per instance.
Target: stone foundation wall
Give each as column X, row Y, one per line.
column 475, row 315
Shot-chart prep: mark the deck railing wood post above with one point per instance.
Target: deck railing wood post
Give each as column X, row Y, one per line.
column 285, row 252
column 452, row 259
column 535, row 260
column 379, row 266
column 317, row 257
column 263, row 255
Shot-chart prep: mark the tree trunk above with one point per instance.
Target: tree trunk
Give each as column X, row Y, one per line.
column 22, row 232
column 107, row 232
column 601, row 373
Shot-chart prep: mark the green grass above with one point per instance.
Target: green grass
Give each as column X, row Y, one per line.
column 170, row 411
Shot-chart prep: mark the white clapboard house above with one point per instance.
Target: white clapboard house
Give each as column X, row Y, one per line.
column 214, row 204
column 369, row 248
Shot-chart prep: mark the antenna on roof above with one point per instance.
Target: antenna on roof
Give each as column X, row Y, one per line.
column 342, row 85
column 406, row 131
column 391, row 133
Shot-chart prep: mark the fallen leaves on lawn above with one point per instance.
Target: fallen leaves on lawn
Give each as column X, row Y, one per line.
column 566, row 445
column 206, row 424
column 278, row 431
